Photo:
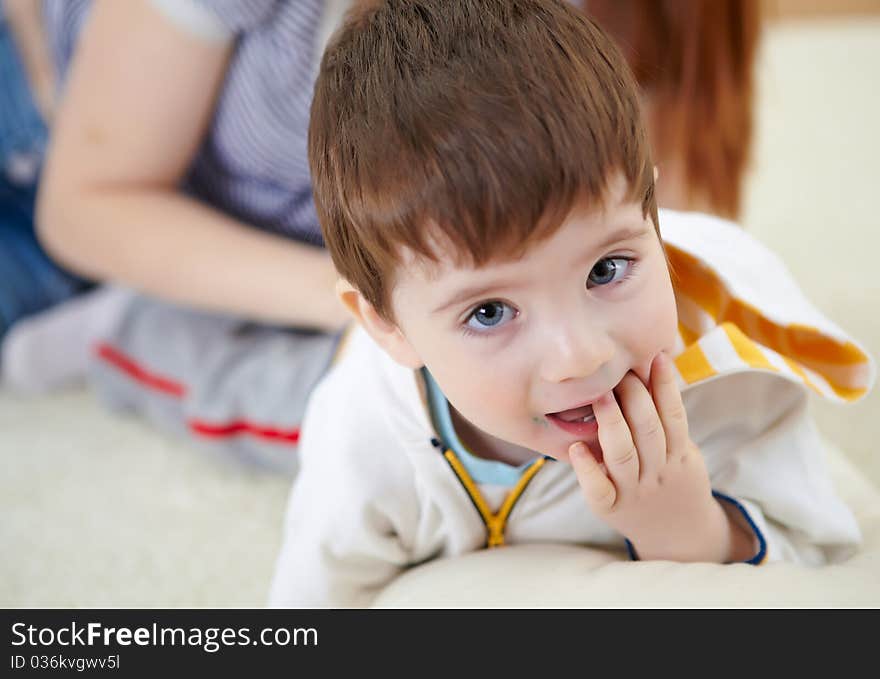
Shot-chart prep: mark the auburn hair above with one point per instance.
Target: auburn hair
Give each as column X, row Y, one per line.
column 694, row 60
column 474, row 124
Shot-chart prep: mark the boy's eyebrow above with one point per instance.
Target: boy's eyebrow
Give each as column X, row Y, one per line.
column 623, row 234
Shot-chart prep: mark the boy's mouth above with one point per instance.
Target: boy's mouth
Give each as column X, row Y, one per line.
column 579, row 422
column 579, row 414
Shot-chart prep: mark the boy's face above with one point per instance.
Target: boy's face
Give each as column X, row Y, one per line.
column 520, row 347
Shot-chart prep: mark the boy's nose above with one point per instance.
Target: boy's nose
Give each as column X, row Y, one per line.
column 574, row 352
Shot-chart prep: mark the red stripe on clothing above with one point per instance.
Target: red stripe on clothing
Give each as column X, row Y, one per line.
column 137, row 373
column 237, row 427
column 167, row 386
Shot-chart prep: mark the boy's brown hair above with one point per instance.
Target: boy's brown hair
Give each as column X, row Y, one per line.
column 475, row 124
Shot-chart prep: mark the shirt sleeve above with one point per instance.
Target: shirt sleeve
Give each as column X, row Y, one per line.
column 766, row 457
column 234, row 16
column 344, row 530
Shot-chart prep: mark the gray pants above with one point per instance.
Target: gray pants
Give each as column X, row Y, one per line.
column 235, row 388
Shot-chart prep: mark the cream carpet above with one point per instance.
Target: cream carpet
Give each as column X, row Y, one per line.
column 102, row 511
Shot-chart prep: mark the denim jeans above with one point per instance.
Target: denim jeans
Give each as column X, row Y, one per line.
column 22, row 131
column 29, row 280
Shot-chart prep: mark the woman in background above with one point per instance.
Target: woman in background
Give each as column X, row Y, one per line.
column 177, row 170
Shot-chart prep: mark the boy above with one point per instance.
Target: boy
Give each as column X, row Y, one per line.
column 487, row 194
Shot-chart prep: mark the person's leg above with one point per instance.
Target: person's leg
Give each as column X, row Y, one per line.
column 233, row 388
column 29, row 280
column 22, row 130
column 52, row 349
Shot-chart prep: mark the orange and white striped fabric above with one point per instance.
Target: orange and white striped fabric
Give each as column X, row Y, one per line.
column 740, row 309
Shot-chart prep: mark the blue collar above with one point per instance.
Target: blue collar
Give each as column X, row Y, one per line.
column 481, row 470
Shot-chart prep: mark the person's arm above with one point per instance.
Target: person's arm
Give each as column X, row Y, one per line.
column 25, row 20
column 139, row 99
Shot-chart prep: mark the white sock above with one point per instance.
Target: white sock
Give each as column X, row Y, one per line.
column 51, row 349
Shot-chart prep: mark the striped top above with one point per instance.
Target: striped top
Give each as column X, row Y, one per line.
column 253, row 162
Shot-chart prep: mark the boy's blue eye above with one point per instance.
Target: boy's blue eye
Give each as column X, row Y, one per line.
column 490, row 315
column 609, row 270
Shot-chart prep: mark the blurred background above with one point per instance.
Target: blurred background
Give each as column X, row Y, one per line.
column 811, row 193
column 100, row 510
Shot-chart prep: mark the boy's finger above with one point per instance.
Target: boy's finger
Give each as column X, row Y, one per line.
column 619, row 452
column 667, row 397
column 644, row 424
column 598, row 489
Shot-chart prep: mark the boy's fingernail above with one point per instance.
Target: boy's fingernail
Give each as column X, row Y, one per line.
column 577, row 448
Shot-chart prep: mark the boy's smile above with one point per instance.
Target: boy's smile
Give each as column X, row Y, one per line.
column 522, row 348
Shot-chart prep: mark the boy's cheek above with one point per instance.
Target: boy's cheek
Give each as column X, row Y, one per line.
column 651, row 333
column 663, row 340
column 494, row 412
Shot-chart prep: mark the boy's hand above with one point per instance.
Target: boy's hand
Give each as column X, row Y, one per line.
column 653, row 486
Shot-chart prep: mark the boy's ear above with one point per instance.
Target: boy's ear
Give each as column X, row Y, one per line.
column 385, row 333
